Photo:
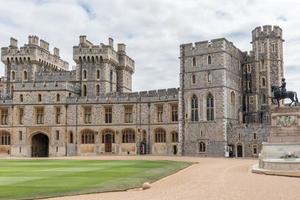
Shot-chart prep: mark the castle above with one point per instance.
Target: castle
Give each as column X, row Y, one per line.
column 221, row 108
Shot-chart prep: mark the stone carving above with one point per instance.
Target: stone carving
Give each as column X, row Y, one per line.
column 286, row 121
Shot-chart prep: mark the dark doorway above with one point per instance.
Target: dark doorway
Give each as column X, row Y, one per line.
column 239, row 149
column 40, row 145
column 175, row 149
column 108, row 142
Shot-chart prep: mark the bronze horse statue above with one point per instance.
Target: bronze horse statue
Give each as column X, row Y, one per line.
column 279, row 95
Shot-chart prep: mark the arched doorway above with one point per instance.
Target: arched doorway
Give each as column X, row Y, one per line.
column 239, row 150
column 40, row 145
column 108, row 140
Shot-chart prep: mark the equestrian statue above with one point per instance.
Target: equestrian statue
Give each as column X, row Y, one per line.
column 279, row 93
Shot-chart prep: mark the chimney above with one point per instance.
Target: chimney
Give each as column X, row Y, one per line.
column 44, row 44
column 13, row 42
column 56, row 51
column 111, row 42
column 121, row 47
column 82, row 39
column 33, row 40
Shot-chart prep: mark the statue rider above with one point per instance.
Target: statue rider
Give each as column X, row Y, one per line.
column 283, row 87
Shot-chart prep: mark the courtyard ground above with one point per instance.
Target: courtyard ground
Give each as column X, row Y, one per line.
column 210, row 179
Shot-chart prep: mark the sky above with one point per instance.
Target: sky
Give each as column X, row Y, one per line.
column 152, row 29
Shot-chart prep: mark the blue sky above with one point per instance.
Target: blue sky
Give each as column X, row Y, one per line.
column 152, row 29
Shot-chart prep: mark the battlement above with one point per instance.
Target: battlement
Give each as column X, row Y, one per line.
column 266, row 31
column 36, row 51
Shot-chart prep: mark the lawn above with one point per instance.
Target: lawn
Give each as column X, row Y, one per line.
column 25, row 179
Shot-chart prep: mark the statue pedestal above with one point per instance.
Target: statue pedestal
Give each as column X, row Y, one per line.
column 281, row 154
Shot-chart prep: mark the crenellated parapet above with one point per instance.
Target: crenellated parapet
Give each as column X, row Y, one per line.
column 267, row 31
column 35, row 52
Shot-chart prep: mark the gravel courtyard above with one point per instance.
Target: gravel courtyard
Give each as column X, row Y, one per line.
column 210, row 179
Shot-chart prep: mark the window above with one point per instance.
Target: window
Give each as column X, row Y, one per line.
column 128, row 114
column 174, row 137
column 97, row 90
column 209, row 60
column 20, row 135
column 174, row 113
column 232, row 98
column 193, row 79
column 21, row 115
column 57, row 97
column 209, row 77
column 111, row 80
column 98, row 74
column 87, row 115
column 4, row 138
column 251, row 100
column 84, row 90
column 57, row 135
column 160, row 113
column 108, row 115
column 202, row 147
column 4, row 116
column 210, row 107
column 128, row 136
column 13, row 75
column 87, row 137
column 71, row 137
column 263, row 82
column 25, row 77
column 160, row 136
column 273, row 47
column 194, row 108
column 39, row 115
column 39, row 97
column 254, row 136
column 21, row 98
column 57, row 115
column 194, row 62
column 248, row 66
column 84, row 74
column 264, row 99
column 262, row 65
column 254, row 149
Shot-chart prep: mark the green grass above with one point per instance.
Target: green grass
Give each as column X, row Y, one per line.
column 25, row 179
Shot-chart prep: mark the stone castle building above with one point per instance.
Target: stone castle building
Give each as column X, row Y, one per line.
column 221, row 108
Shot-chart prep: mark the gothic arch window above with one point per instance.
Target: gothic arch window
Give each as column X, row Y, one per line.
column 84, row 74
column 263, row 81
column 87, row 137
column 194, row 62
column 209, row 59
column 25, row 77
column 210, row 107
column 202, row 147
column 84, row 91
column 193, row 79
column 13, row 75
column 232, row 98
column 160, row 135
column 194, row 108
column 209, row 77
column 39, row 97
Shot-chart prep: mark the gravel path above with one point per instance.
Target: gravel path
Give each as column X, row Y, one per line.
column 209, row 179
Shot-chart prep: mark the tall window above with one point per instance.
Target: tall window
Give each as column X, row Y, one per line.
column 174, row 137
column 87, row 115
column 232, row 98
column 111, row 80
column 57, row 115
column 209, row 60
column 174, row 113
column 25, row 77
column 210, row 107
column 160, row 136
column 21, row 98
column 97, row 90
column 4, row 116
column 194, row 108
column 13, row 75
column 39, row 97
column 84, row 91
column 254, row 136
column 194, row 61
column 128, row 136
column 263, row 81
column 128, row 114
column 4, row 138
column 209, row 77
column 160, row 110
column 57, row 97
column 262, row 65
column 202, row 147
column 84, row 74
column 57, row 135
column 21, row 115
column 108, row 115
column 264, row 99
column 71, row 137
column 39, row 115
column 273, row 47
column 193, row 79
column 98, row 74
column 87, row 137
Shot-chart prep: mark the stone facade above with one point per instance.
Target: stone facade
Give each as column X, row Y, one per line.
column 220, row 109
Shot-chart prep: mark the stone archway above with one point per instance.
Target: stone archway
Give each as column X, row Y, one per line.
column 239, row 150
column 39, row 145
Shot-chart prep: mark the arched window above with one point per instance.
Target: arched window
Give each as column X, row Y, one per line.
column 87, row 137
column 4, row 138
column 71, row 137
column 232, row 98
column 97, row 89
column 174, row 137
column 264, row 99
column 57, row 97
column 39, row 97
column 13, row 75
column 209, row 60
column 194, row 108
column 128, row 136
column 84, row 74
column 209, row 77
column 263, row 81
column 84, row 91
column 193, row 79
column 194, row 62
column 98, row 74
column 202, row 147
column 25, row 75
column 160, row 136
column 210, row 107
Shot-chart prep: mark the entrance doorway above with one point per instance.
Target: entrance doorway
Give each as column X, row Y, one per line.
column 40, row 145
column 239, row 149
column 175, row 149
column 108, row 139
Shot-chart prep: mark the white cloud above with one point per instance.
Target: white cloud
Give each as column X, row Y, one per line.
column 152, row 29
